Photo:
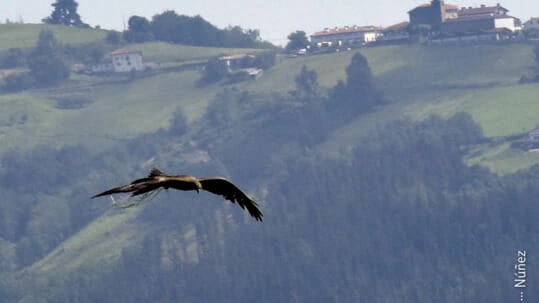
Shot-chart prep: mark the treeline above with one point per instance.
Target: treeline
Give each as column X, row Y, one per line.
column 181, row 29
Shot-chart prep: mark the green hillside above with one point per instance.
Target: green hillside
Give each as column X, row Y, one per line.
column 25, row 35
column 59, row 145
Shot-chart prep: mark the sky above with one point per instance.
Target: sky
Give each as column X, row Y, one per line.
column 274, row 18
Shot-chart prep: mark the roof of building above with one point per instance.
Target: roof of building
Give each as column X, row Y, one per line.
column 482, row 10
column 124, row 50
column 398, row 26
column 346, row 29
column 478, row 17
column 447, row 7
column 235, row 57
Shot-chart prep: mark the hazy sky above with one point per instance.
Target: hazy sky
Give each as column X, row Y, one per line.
column 274, row 18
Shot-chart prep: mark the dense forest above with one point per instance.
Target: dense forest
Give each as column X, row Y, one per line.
column 399, row 217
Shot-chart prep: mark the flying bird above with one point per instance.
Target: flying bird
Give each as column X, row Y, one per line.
column 216, row 185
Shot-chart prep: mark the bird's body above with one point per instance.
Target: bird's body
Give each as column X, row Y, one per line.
column 216, row 185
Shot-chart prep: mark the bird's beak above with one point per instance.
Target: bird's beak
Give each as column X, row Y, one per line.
column 198, row 190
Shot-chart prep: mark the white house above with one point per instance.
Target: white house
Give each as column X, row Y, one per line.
column 126, row 60
column 348, row 35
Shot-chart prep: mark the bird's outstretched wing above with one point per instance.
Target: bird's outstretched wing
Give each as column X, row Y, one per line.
column 223, row 187
column 136, row 189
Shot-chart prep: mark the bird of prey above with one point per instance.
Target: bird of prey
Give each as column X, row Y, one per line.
column 216, row 185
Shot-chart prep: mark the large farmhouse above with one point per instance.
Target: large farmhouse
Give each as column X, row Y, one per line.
column 348, row 35
column 120, row 61
column 126, row 60
column 448, row 20
column 481, row 19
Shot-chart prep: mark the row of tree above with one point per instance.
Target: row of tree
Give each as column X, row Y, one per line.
column 167, row 26
column 171, row 27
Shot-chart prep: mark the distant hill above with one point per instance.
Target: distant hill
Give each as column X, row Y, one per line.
column 345, row 203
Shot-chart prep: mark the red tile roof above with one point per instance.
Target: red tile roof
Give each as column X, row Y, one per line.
column 400, row 25
column 485, row 10
column 235, row 57
column 122, row 51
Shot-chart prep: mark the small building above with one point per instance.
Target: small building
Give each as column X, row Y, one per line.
column 348, row 35
column 476, row 23
column 126, row 60
column 235, row 62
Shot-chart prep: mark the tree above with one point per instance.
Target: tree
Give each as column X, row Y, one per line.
column 358, row 94
column 113, row 37
column 168, row 27
column 297, row 40
column 532, row 75
column 65, row 13
column 214, row 71
column 46, row 63
column 265, row 60
column 139, row 30
column 15, row 57
column 359, row 80
column 307, row 87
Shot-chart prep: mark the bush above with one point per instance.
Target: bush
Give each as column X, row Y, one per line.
column 46, row 63
column 214, row 71
column 14, row 58
column 265, row 60
column 17, row 82
column 113, row 37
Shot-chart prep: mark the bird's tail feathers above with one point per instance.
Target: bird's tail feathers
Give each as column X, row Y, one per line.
column 122, row 189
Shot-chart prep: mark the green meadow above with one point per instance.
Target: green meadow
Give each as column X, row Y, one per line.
column 417, row 81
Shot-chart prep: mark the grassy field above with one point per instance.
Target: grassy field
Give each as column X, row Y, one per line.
column 419, row 81
column 502, row 159
column 25, row 35
column 117, row 111
column 103, row 239
column 166, row 52
column 404, row 72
